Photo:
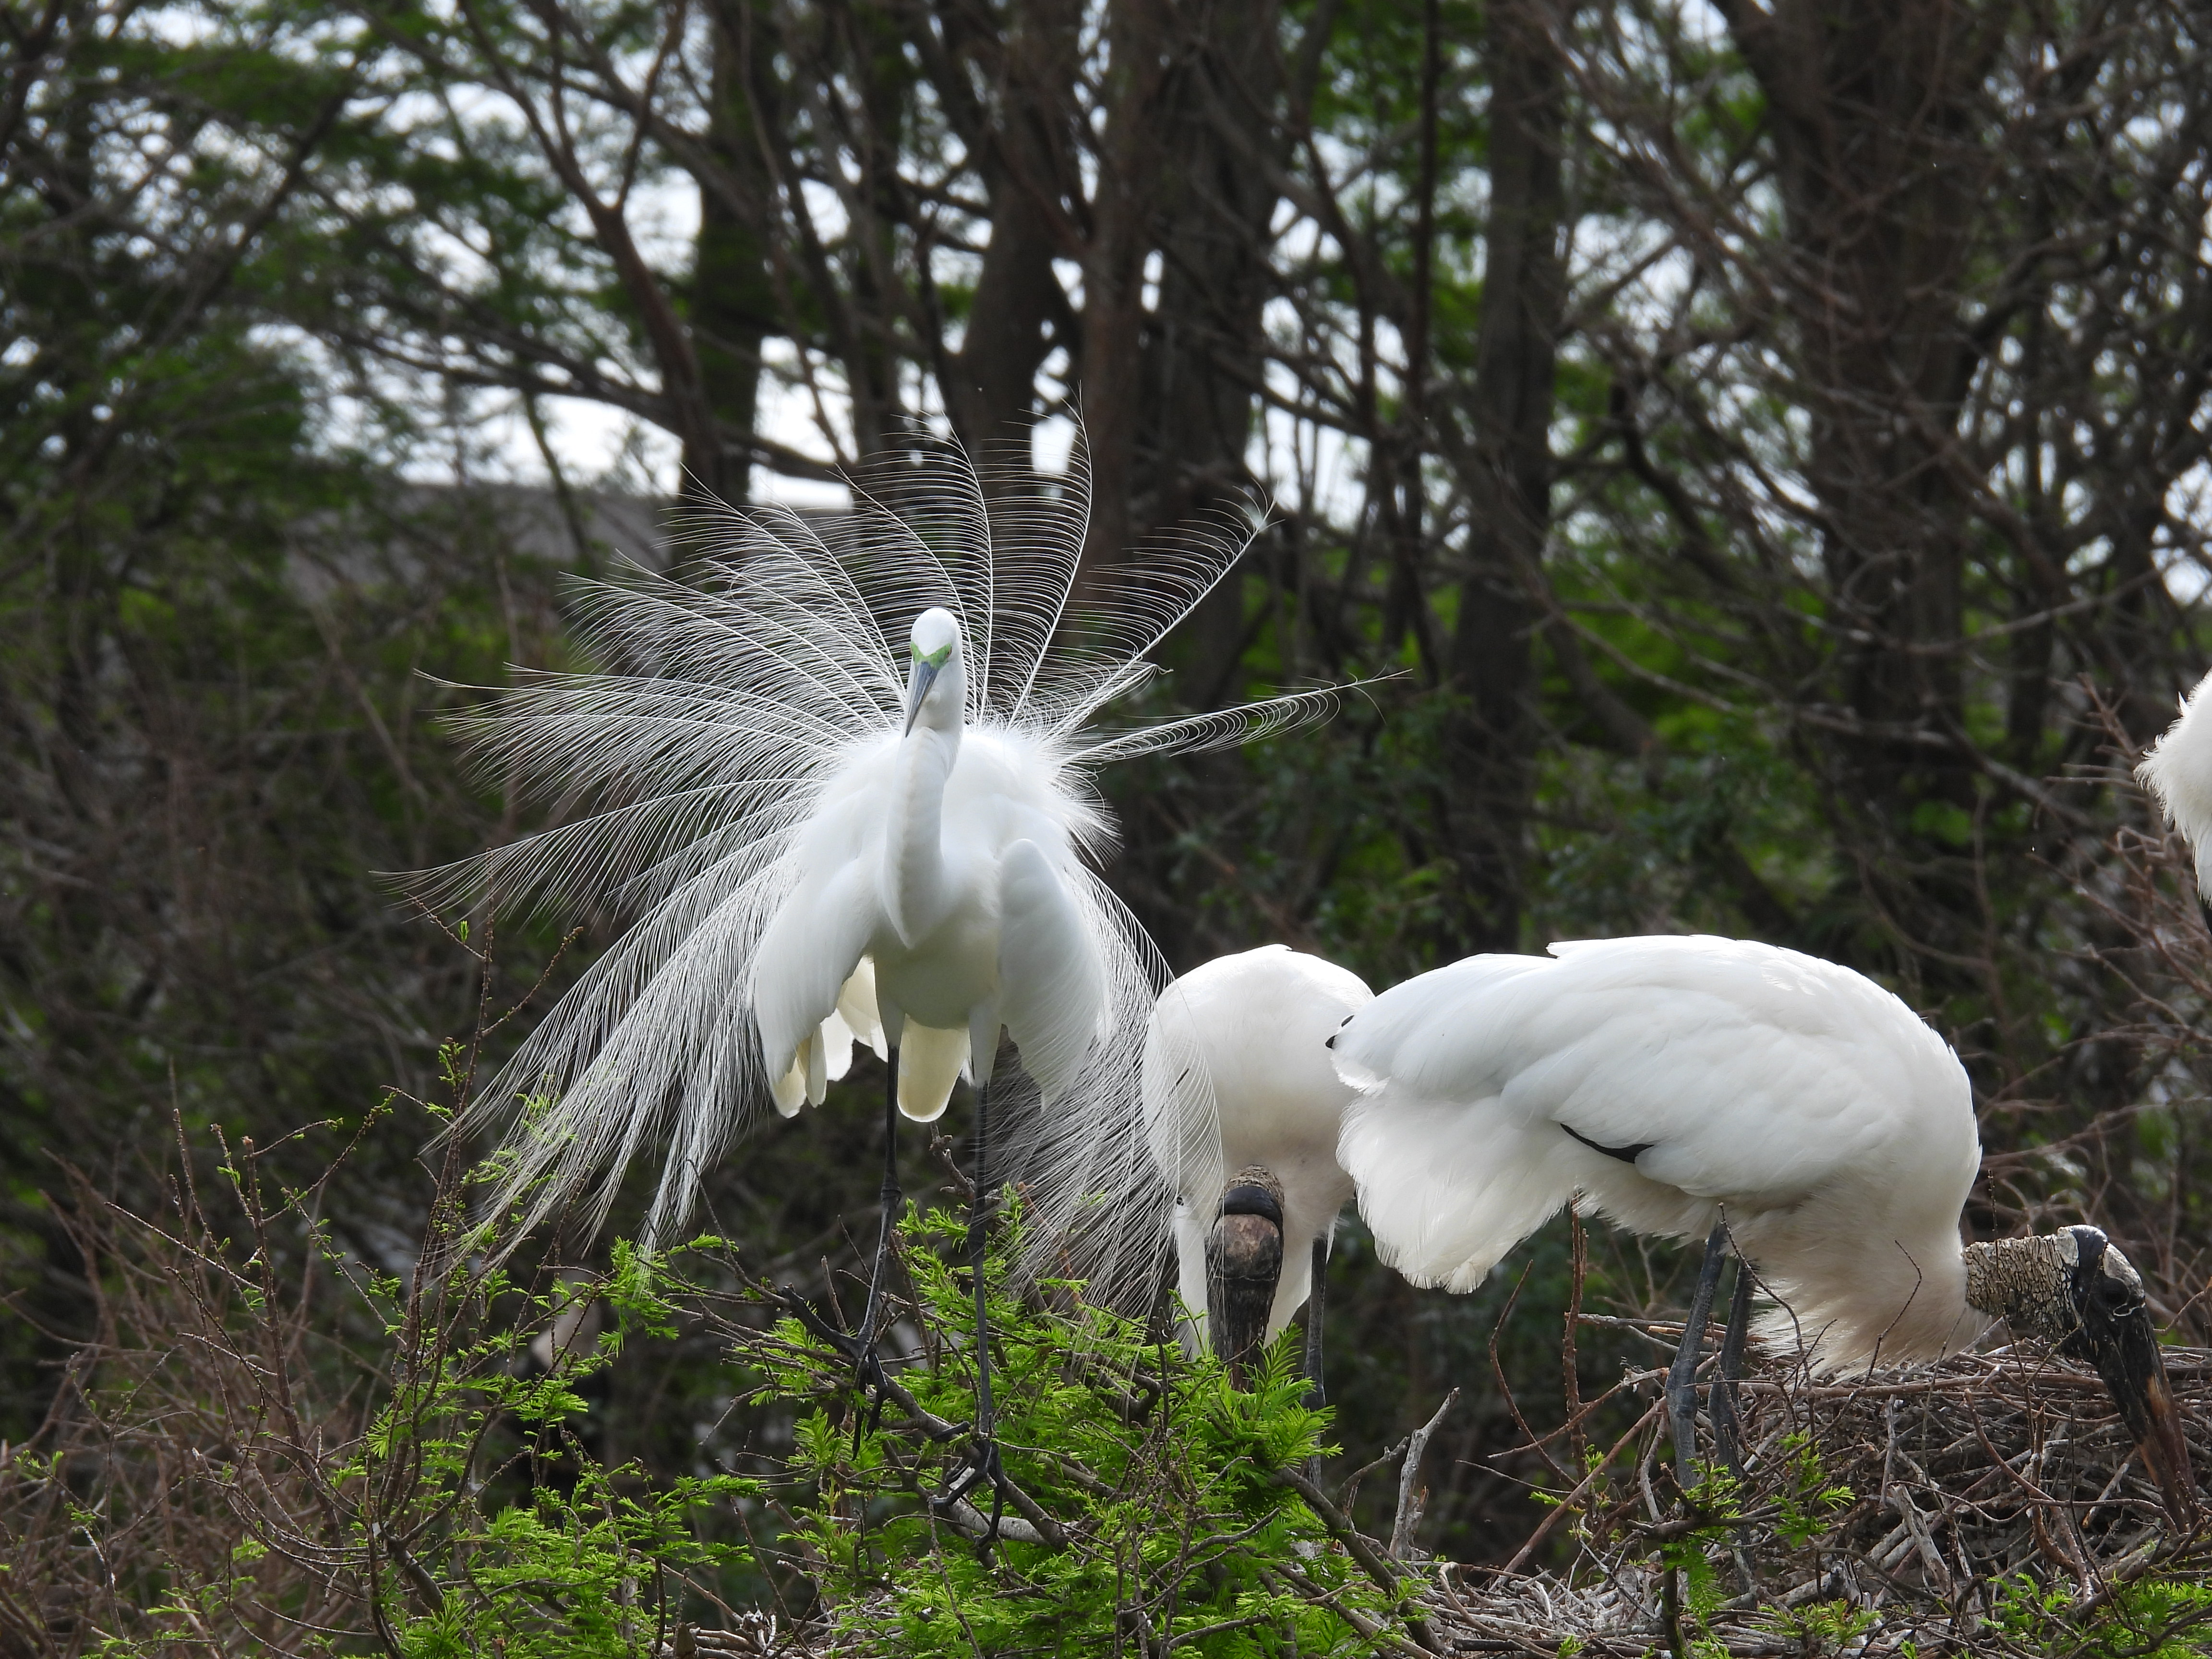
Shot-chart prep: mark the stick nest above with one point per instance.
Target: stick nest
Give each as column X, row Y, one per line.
column 1989, row 1503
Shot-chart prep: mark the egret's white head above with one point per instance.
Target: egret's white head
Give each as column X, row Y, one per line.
column 2178, row 771
column 937, row 682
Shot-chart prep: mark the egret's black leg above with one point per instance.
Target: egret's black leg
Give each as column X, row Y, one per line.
column 1728, row 1420
column 1317, row 1308
column 981, row 1463
column 1316, row 1396
column 869, row 1373
column 1682, row 1376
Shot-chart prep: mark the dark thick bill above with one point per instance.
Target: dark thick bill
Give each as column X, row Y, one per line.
column 1244, row 1265
column 2127, row 1357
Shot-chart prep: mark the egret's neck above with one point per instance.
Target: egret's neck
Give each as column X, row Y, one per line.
column 914, row 886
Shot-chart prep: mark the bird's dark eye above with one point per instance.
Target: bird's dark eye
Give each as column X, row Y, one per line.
column 2114, row 1297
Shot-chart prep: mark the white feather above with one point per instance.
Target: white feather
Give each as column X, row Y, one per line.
column 742, row 756
column 1237, row 1072
column 1830, row 1125
column 2178, row 769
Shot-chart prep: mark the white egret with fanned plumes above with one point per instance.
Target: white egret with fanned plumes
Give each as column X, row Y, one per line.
column 1241, row 1113
column 840, row 774
column 1762, row 1100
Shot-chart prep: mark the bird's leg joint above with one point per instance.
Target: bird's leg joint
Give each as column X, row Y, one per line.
column 982, row 1464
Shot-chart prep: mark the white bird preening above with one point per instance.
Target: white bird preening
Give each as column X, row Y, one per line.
column 1243, row 1110
column 821, row 844
column 2178, row 769
column 1709, row 1088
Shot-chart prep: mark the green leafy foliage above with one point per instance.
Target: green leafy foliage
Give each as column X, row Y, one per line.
column 2150, row 1619
column 1170, row 1519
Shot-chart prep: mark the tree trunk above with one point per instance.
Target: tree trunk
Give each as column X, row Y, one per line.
column 1871, row 105
column 733, row 307
column 990, row 383
column 1491, row 739
column 1205, row 350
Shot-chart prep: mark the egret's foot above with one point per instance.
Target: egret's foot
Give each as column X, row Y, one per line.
column 981, row 1465
column 868, row 1378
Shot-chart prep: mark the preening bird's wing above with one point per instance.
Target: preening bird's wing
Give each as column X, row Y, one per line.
column 1444, row 1183
column 1727, row 1071
column 1753, row 1073
column 1052, row 983
column 1413, row 1035
column 1183, row 1123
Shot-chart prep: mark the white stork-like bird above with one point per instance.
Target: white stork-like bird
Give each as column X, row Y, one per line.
column 2178, row 769
column 1711, row 1088
column 1241, row 1113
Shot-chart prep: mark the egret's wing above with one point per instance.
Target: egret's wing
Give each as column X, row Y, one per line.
column 930, row 1063
column 808, row 952
column 1098, row 1209
column 1051, row 982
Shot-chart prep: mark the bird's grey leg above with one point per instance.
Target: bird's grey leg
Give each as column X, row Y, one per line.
column 1316, row 1306
column 1316, row 1396
column 1728, row 1420
column 1682, row 1376
column 869, row 1373
column 983, row 1462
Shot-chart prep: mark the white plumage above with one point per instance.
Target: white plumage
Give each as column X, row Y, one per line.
column 1236, row 1076
column 935, row 899
column 824, row 838
column 2178, row 769
column 1674, row 1083
column 1833, row 1127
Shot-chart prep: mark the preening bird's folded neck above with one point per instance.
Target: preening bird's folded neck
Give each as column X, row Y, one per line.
column 915, row 888
column 2023, row 1281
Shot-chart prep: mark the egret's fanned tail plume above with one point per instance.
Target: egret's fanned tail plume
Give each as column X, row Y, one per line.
column 748, row 714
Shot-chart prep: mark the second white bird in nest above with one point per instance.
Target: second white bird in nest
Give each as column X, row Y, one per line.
column 1243, row 1110
column 1701, row 1088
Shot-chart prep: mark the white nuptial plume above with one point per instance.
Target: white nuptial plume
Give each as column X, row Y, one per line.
column 2178, row 771
column 752, row 740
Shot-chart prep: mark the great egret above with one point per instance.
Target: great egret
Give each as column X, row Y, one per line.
column 1699, row 1087
column 1242, row 1114
column 819, row 846
column 2178, row 769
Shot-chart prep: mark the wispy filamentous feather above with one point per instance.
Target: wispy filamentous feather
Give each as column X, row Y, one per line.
column 732, row 700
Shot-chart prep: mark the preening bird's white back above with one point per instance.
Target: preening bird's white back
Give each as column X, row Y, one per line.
column 728, row 752
column 1834, row 1127
column 2178, row 769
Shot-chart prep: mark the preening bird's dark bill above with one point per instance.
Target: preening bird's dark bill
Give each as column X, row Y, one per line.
column 2127, row 1357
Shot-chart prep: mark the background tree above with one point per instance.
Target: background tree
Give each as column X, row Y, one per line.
column 1768, row 439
